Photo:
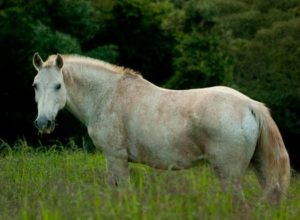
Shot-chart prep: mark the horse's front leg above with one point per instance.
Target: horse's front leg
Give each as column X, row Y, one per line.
column 114, row 148
column 117, row 168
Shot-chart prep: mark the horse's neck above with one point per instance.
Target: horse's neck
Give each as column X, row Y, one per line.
column 88, row 91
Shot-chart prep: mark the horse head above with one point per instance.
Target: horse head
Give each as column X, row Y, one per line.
column 50, row 91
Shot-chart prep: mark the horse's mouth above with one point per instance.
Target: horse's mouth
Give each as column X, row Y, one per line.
column 47, row 129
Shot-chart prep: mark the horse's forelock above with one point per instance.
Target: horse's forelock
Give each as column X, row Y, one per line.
column 50, row 61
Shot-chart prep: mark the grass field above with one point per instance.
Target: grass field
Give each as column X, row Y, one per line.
column 71, row 185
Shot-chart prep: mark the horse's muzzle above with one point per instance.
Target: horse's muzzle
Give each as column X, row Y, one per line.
column 44, row 125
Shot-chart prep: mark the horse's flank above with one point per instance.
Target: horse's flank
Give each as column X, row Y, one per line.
column 131, row 119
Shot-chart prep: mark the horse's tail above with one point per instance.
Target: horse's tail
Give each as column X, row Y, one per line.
column 271, row 159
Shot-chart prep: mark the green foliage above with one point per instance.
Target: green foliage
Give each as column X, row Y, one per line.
column 200, row 62
column 75, row 17
column 265, row 5
column 15, row 38
column 136, row 28
column 246, row 23
column 200, row 57
column 109, row 53
column 48, row 42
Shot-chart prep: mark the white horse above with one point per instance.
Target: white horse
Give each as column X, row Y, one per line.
column 131, row 119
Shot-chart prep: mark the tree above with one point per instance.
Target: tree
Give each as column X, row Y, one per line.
column 136, row 29
column 268, row 68
column 200, row 57
column 200, row 62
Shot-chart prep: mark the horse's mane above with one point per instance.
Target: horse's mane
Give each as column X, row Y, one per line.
column 87, row 61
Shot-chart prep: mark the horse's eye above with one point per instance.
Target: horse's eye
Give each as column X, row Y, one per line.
column 58, row 86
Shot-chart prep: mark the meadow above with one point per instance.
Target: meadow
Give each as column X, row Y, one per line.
column 70, row 184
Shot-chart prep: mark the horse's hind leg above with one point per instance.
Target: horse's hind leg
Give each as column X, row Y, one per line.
column 230, row 163
column 230, row 183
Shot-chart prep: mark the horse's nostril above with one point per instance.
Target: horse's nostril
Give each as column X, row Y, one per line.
column 42, row 123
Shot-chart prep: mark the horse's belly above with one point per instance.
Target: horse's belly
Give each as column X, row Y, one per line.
column 165, row 140
column 166, row 156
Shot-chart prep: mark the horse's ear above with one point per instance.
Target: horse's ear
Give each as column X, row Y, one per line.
column 59, row 62
column 37, row 61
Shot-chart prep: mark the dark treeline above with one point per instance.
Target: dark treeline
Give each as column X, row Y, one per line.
column 250, row 45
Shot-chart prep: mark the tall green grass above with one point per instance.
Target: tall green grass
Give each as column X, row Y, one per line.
column 64, row 184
